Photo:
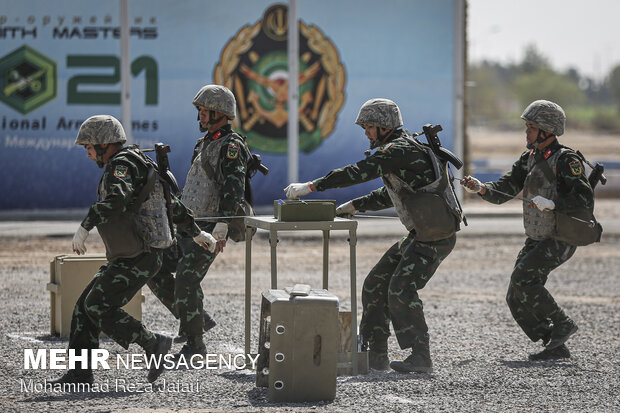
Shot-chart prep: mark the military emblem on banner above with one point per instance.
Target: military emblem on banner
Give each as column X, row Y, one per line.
column 27, row 79
column 254, row 65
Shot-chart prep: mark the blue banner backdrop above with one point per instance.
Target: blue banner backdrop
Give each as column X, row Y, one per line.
column 58, row 68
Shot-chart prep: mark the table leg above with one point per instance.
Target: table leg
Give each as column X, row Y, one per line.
column 352, row 244
column 325, row 258
column 273, row 242
column 248, row 286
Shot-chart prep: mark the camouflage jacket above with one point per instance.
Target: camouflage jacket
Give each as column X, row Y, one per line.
column 122, row 181
column 233, row 162
column 574, row 190
column 397, row 155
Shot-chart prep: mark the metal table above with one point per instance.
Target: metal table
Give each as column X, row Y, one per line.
column 272, row 225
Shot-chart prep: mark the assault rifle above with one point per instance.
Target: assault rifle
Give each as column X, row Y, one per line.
column 442, row 153
column 596, row 175
column 254, row 164
column 161, row 157
column 168, row 181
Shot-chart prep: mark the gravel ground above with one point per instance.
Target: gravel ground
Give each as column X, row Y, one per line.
column 479, row 353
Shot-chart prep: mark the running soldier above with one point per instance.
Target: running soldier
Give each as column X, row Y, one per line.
column 410, row 171
column 131, row 219
column 554, row 185
column 215, row 187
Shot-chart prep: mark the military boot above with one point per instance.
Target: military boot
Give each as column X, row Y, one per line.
column 194, row 346
column 561, row 332
column 377, row 355
column 75, row 376
column 155, row 352
column 209, row 323
column 419, row 361
column 378, row 360
column 557, row 353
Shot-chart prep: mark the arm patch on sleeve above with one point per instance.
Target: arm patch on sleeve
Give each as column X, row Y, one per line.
column 575, row 167
column 232, row 152
column 120, row 171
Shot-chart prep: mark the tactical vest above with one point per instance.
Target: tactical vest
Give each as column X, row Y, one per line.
column 539, row 224
column 144, row 223
column 432, row 210
column 561, row 226
column 202, row 191
column 202, row 188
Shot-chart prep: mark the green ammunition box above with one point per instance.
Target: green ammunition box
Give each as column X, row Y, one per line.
column 310, row 210
column 298, row 344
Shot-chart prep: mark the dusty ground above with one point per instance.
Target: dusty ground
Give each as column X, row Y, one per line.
column 479, row 353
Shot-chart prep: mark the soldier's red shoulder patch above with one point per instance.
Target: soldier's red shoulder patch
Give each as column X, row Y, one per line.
column 575, row 167
column 120, row 171
column 232, row 152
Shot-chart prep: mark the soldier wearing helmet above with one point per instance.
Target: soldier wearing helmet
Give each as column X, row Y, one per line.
column 415, row 184
column 215, row 187
column 131, row 219
column 548, row 117
column 218, row 101
column 554, row 185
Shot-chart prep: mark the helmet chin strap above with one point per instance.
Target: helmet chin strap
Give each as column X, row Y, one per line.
column 212, row 121
column 381, row 138
column 100, row 152
column 200, row 124
column 542, row 136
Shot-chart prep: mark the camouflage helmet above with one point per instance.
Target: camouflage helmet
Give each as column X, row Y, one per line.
column 382, row 113
column 100, row 129
column 218, row 98
column 546, row 115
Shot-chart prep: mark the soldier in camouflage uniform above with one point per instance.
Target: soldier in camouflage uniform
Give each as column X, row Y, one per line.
column 131, row 219
column 410, row 172
column 163, row 284
column 214, row 187
column 552, row 179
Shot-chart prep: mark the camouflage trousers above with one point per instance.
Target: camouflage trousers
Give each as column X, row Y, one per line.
column 162, row 283
column 531, row 305
column 182, row 294
column 390, row 291
column 99, row 306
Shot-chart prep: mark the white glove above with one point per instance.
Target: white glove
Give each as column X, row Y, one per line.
column 294, row 191
column 472, row 185
column 543, row 203
column 346, row 210
column 220, row 231
column 78, row 241
column 205, row 240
